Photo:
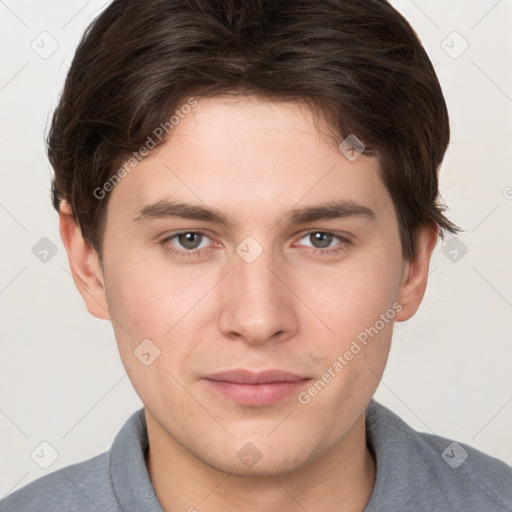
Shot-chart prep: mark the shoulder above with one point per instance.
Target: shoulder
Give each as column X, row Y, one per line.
column 468, row 477
column 434, row 472
column 80, row 487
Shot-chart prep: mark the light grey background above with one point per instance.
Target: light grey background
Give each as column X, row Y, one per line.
column 449, row 372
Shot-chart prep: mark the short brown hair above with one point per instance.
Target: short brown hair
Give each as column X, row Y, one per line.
column 356, row 62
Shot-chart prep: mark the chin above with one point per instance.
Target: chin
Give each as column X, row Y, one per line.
column 250, row 461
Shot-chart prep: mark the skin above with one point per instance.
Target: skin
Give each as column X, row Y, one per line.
column 291, row 308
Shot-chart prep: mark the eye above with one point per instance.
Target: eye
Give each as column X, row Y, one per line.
column 322, row 240
column 186, row 243
column 189, row 240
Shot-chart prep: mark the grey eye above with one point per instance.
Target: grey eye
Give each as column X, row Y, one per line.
column 322, row 239
column 189, row 240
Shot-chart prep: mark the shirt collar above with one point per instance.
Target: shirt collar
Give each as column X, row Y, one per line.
column 403, row 479
column 128, row 470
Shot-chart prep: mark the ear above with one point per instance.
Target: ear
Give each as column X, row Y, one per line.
column 84, row 263
column 415, row 274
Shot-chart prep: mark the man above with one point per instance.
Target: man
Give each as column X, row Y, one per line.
column 248, row 190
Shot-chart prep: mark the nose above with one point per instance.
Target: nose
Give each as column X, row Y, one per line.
column 257, row 304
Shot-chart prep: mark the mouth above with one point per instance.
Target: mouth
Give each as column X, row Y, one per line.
column 256, row 388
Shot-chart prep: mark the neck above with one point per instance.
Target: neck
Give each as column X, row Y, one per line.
column 342, row 479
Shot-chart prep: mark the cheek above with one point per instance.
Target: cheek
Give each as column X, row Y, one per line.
column 169, row 305
column 148, row 302
column 353, row 297
column 359, row 305
column 151, row 296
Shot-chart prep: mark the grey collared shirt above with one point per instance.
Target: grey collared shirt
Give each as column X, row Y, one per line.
column 416, row 472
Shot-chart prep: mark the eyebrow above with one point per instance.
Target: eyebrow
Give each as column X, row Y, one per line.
column 325, row 211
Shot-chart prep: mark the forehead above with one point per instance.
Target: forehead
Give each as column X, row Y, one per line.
column 247, row 155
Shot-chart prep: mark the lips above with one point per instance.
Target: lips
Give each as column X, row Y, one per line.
column 256, row 388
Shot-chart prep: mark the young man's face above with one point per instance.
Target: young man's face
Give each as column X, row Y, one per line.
column 258, row 294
